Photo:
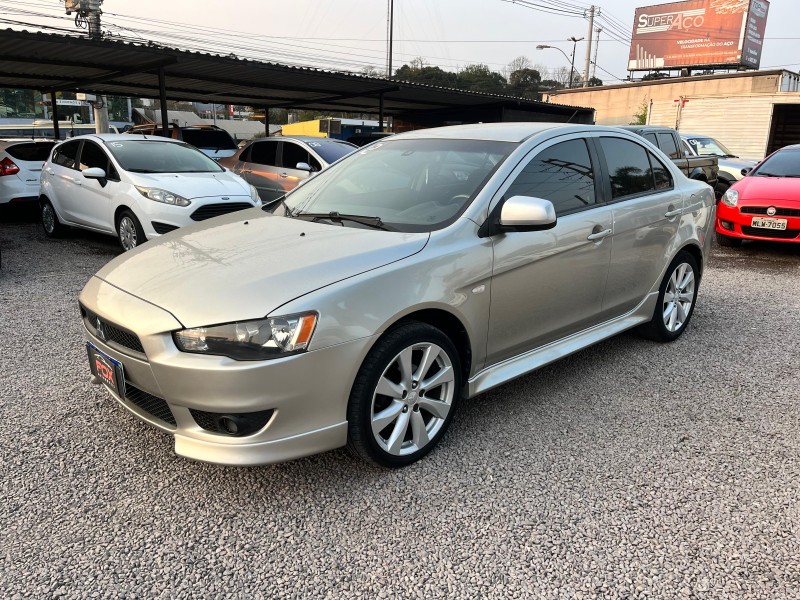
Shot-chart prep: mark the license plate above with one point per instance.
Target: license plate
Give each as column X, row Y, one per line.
column 762, row 223
column 106, row 369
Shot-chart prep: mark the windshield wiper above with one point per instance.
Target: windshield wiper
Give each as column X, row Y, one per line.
column 374, row 222
column 763, row 174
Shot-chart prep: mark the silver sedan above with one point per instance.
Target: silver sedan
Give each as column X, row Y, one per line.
column 420, row 270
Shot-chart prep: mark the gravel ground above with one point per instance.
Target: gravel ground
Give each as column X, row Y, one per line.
column 628, row 470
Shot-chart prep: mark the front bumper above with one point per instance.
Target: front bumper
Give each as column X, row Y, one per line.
column 306, row 393
column 736, row 222
column 158, row 218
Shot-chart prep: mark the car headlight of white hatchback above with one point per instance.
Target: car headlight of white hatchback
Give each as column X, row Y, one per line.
column 164, row 196
column 254, row 194
column 273, row 337
column 731, row 198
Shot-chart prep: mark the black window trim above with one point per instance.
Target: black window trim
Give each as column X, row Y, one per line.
column 607, row 178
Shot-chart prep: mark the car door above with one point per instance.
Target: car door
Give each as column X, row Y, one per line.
column 258, row 165
column 549, row 284
column 646, row 211
column 64, row 176
column 291, row 154
column 93, row 207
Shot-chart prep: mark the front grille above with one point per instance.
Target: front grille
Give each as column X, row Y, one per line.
column 786, row 234
column 214, row 210
column 152, row 405
column 245, row 423
column 762, row 210
column 163, row 228
column 110, row 332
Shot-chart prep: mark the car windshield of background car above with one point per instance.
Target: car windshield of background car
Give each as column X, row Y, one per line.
column 154, row 156
column 412, row 185
column 708, row 145
column 332, row 151
column 208, row 139
column 784, row 163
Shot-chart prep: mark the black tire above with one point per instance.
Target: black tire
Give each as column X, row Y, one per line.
column 658, row 328
column 720, row 189
column 50, row 224
column 406, row 414
column 129, row 231
column 727, row 241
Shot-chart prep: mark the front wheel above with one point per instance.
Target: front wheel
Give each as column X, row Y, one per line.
column 50, row 223
column 676, row 300
column 404, row 396
column 727, row 241
column 129, row 231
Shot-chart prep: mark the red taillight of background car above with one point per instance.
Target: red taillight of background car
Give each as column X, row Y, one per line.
column 7, row 167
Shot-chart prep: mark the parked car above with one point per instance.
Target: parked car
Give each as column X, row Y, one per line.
column 410, row 274
column 362, row 139
column 730, row 165
column 135, row 188
column 211, row 140
column 764, row 205
column 277, row 165
column 21, row 167
column 701, row 168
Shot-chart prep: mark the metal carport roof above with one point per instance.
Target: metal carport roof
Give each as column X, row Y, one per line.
column 48, row 62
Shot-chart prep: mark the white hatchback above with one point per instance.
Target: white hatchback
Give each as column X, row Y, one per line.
column 21, row 162
column 136, row 188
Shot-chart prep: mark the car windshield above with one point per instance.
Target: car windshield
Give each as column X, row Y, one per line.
column 156, row 156
column 208, row 139
column 332, row 151
column 707, row 145
column 784, row 163
column 409, row 185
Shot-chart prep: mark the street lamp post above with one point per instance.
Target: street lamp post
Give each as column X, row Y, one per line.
column 574, row 41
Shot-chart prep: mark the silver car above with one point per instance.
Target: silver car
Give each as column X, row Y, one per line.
column 275, row 166
column 420, row 270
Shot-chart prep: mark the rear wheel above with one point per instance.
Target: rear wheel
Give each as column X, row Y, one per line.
column 129, row 231
column 50, row 223
column 727, row 241
column 404, row 396
column 676, row 299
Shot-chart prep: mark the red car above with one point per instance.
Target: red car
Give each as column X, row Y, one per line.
column 765, row 205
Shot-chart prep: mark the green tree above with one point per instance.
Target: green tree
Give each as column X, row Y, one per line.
column 595, row 82
column 525, row 83
column 479, row 78
column 640, row 117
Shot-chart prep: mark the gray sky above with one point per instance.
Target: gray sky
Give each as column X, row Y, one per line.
column 351, row 34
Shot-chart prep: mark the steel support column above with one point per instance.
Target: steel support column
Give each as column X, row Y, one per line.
column 380, row 112
column 54, row 105
column 162, row 94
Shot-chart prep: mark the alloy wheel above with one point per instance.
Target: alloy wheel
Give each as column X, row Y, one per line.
column 678, row 297
column 127, row 233
column 412, row 399
column 48, row 218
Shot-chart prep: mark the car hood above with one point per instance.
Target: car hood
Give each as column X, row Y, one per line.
column 194, row 185
column 735, row 165
column 769, row 189
column 245, row 265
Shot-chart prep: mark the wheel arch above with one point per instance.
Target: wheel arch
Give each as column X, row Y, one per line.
column 696, row 252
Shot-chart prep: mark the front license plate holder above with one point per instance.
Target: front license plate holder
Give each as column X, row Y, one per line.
column 767, row 223
column 109, row 371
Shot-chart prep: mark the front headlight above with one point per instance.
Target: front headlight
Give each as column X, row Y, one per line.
column 262, row 339
column 164, row 196
column 731, row 198
column 254, row 195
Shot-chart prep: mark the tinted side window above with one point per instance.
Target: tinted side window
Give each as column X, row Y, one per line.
column 651, row 137
column 628, row 167
column 93, row 156
column 245, row 155
column 293, row 154
column 562, row 174
column 34, row 151
column 264, row 153
column 662, row 176
column 65, row 154
column 667, row 144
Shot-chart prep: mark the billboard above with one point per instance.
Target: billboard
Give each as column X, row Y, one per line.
column 698, row 33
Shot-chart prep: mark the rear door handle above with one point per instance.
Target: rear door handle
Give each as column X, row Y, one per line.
column 673, row 213
column 49, row 170
column 599, row 235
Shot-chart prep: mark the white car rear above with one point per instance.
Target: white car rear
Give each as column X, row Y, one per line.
column 21, row 163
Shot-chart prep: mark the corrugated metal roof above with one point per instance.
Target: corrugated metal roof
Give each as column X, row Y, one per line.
column 43, row 61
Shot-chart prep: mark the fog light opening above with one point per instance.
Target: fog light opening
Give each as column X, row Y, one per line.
column 726, row 225
column 229, row 425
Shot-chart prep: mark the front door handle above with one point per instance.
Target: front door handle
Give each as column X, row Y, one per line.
column 49, row 170
column 284, row 174
column 592, row 237
column 673, row 213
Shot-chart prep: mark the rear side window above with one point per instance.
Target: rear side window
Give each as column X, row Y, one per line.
column 65, row 154
column 651, row 137
column 562, row 174
column 264, row 153
column 38, row 151
column 663, row 179
column 293, row 154
column 628, row 167
column 667, row 144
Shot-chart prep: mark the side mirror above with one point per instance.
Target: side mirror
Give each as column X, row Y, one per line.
column 94, row 173
column 525, row 213
column 303, row 166
column 746, row 170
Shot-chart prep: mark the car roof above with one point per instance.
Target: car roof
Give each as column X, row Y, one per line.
column 127, row 137
column 645, row 127
column 23, row 140
column 502, row 132
column 304, row 138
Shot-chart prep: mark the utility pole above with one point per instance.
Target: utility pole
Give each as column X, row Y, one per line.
column 389, row 39
column 597, row 30
column 589, row 47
